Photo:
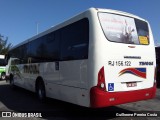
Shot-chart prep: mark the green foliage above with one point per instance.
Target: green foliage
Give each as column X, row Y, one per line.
column 4, row 45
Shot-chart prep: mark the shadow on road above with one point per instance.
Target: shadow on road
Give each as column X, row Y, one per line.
column 21, row 100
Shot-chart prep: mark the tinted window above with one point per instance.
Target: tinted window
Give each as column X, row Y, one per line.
column 74, row 40
column 20, row 53
column 33, row 50
column 37, row 50
column 24, row 53
column 142, row 31
column 51, row 45
column 45, row 49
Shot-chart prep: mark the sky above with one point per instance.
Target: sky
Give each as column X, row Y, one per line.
column 19, row 18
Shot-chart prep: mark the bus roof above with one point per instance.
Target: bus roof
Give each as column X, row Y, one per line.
column 118, row 12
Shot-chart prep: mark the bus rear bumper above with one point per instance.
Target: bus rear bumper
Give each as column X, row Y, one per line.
column 99, row 98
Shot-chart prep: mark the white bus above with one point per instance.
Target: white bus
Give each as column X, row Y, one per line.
column 96, row 59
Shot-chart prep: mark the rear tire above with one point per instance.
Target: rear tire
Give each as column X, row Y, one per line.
column 40, row 91
column 3, row 76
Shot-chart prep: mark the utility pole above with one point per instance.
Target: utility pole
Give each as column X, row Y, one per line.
column 37, row 24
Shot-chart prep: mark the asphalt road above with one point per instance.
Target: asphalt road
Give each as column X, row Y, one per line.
column 22, row 101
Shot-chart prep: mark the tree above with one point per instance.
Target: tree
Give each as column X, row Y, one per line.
column 4, row 45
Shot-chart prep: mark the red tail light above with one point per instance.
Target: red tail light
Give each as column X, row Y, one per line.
column 101, row 80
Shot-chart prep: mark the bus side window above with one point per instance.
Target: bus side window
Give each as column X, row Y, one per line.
column 75, row 39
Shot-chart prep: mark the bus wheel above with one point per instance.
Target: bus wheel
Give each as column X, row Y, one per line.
column 41, row 93
column 3, row 76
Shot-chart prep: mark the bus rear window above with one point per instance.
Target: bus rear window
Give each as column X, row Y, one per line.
column 124, row 29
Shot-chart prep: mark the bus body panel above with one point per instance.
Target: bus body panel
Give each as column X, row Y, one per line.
column 70, row 94
column 121, row 70
column 69, row 82
column 129, row 69
column 74, row 73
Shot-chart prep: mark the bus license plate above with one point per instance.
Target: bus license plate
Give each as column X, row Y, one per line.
column 131, row 84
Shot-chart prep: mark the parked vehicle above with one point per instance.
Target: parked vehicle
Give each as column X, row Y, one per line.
column 2, row 67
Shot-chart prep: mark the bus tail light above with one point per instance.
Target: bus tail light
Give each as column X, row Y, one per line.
column 101, row 80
